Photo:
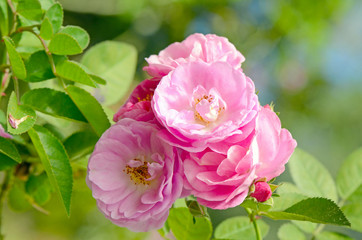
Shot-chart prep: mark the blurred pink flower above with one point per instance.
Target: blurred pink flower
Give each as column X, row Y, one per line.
column 272, row 145
column 134, row 176
column 138, row 105
column 197, row 47
column 219, row 181
column 201, row 104
column 262, row 191
column 3, row 133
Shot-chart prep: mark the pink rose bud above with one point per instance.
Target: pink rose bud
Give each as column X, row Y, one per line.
column 262, row 191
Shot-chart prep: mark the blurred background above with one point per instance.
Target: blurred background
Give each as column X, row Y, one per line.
column 303, row 55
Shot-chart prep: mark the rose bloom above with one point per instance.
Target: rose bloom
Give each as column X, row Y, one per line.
column 201, row 104
column 138, row 105
column 221, row 181
column 134, row 176
column 197, row 47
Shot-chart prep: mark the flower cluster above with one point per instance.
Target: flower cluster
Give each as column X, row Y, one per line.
column 196, row 127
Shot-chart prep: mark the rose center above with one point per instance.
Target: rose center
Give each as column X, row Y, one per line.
column 139, row 174
column 208, row 108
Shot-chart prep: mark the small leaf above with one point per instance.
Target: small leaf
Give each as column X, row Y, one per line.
column 80, row 144
column 185, row 226
column 90, row 108
column 78, row 33
column 38, row 67
column 4, row 18
column 332, row 236
column 354, row 212
column 289, row 231
column 239, row 228
column 73, row 71
column 52, row 102
column 64, row 44
column 55, row 161
column 349, row 177
column 252, row 203
column 17, row 197
column 17, row 64
column 311, row 177
column 98, row 79
column 46, row 4
column 55, row 16
column 46, row 29
column 30, row 9
column 39, row 188
column 21, row 117
column 8, row 148
column 196, row 209
column 318, row 210
column 116, row 63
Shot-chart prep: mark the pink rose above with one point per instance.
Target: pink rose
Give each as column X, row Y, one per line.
column 201, row 104
column 197, row 47
column 219, row 181
column 262, row 191
column 3, row 133
column 138, row 105
column 272, row 145
column 134, row 176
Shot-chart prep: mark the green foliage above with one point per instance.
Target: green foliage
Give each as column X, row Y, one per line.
column 349, row 177
column 23, row 116
column 90, row 108
column 39, row 188
column 318, row 210
column 289, row 231
column 80, row 144
column 52, row 21
column 239, row 228
column 55, row 161
column 4, row 19
column 73, row 71
column 52, row 102
column 17, row 197
column 30, row 9
column 332, row 236
column 17, row 63
column 187, row 227
column 70, row 40
column 353, row 212
column 311, row 176
column 38, row 67
column 9, row 155
column 116, row 63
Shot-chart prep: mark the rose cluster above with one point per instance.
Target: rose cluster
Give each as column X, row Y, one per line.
column 195, row 127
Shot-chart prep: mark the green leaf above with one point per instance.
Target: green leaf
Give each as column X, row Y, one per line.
column 30, row 9
column 46, row 4
column 55, row 16
column 38, row 67
column 311, row 177
column 52, row 102
column 90, row 108
column 39, row 188
column 318, row 210
column 16, row 61
column 8, row 148
column 239, row 228
column 116, row 63
column 349, row 177
column 55, row 161
column 196, row 209
column 98, row 79
column 354, row 212
column 356, row 196
column 78, row 33
column 46, row 29
column 17, row 197
column 73, row 71
column 307, row 227
column 186, row 227
column 25, row 116
column 80, row 144
column 289, row 231
column 4, row 18
column 64, row 44
column 332, row 236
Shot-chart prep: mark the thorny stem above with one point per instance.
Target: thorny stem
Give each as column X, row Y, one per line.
column 256, row 226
